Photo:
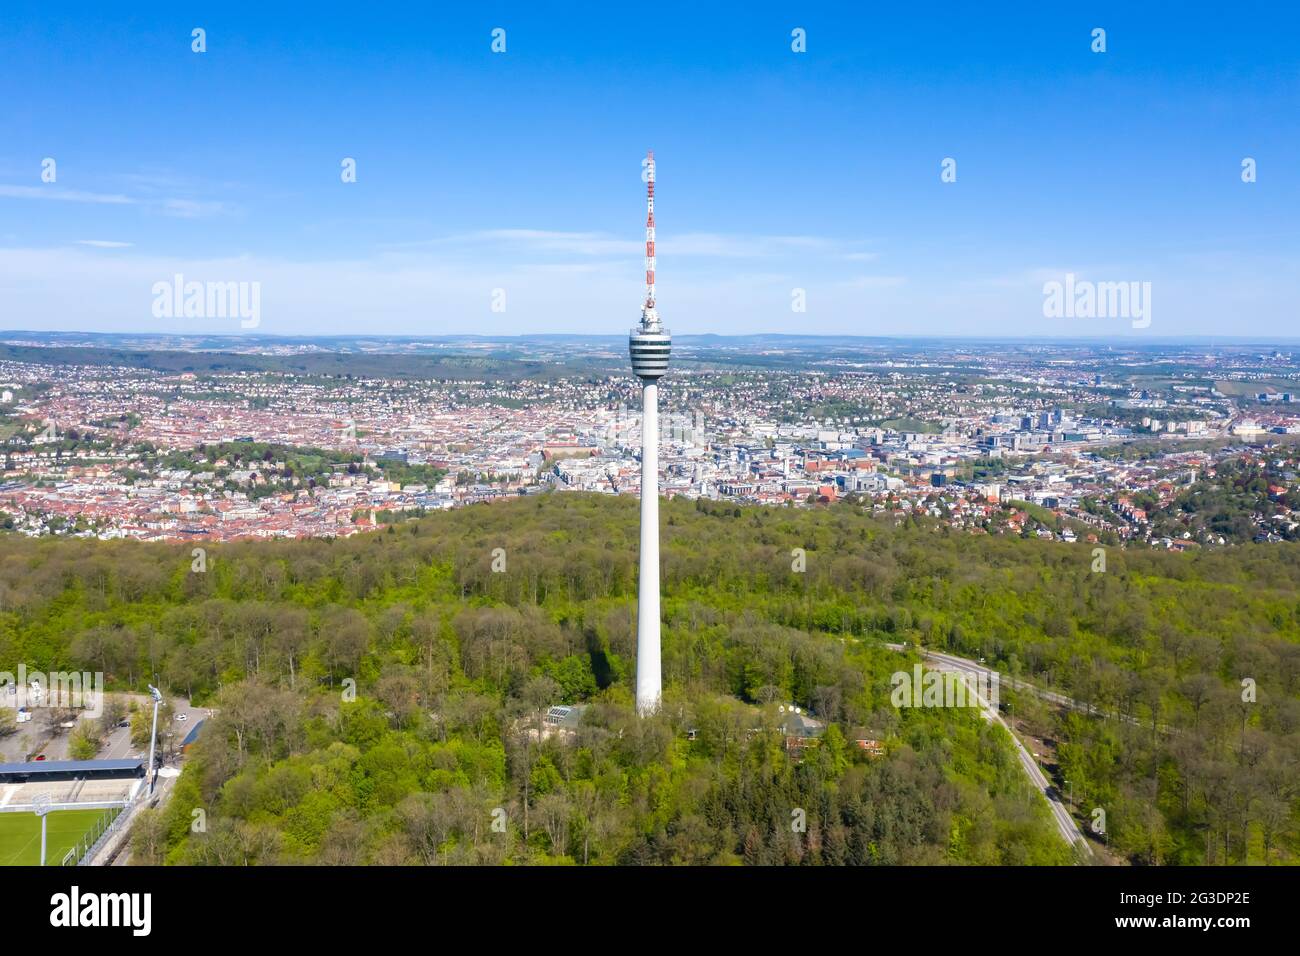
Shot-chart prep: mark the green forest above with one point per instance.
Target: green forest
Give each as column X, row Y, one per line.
column 382, row 698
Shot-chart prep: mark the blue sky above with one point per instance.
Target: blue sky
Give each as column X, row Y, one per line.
column 777, row 170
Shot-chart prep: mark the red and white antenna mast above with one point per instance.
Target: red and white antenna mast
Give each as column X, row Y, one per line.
column 650, row 231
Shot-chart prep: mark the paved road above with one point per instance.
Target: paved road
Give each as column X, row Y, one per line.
column 973, row 670
column 118, row 743
column 57, row 747
column 1051, row 696
column 117, row 746
column 976, row 668
column 121, row 852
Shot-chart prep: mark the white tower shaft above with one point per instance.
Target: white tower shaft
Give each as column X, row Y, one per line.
column 649, row 681
column 649, row 346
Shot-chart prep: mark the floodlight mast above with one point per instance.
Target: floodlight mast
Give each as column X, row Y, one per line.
column 41, row 804
column 153, row 735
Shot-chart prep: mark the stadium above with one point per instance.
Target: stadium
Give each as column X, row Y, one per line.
column 83, row 801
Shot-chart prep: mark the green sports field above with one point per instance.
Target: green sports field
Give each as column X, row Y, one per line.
column 20, row 835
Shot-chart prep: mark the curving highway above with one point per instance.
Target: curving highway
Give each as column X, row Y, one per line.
column 972, row 671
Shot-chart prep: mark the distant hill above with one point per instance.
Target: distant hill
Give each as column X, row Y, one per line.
column 359, row 365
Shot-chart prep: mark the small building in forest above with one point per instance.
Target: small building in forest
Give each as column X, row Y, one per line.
column 799, row 728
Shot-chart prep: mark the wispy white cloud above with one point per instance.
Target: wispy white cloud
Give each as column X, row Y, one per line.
column 52, row 192
column 873, row 282
column 192, row 208
column 104, row 243
column 427, row 291
column 679, row 245
column 182, row 208
column 566, row 243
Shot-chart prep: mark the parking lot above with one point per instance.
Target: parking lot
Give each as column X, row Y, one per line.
column 52, row 743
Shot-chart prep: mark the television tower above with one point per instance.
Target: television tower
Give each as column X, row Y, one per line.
column 649, row 345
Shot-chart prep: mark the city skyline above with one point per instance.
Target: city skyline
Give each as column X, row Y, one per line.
column 1116, row 166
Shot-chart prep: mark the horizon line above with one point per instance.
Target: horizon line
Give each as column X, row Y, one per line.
column 1127, row 341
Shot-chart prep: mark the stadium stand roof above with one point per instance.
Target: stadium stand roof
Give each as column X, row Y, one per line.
column 193, row 735
column 71, row 768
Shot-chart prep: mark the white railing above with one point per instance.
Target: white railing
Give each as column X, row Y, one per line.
column 103, row 832
column 88, row 805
